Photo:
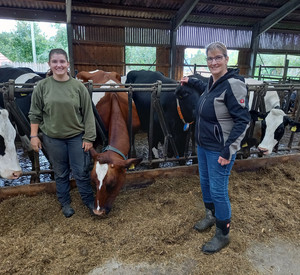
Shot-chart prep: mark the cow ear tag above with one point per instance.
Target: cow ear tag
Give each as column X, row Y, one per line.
column 294, row 129
column 131, row 166
column 245, row 145
column 259, row 118
column 186, row 127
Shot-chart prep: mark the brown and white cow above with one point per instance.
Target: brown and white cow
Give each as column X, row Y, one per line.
column 99, row 77
column 9, row 164
column 109, row 169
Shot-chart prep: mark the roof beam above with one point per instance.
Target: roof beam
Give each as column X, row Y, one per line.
column 276, row 16
column 114, row 21
column 183, row 13
column 60, row 17
column 33, row 15
column 254, row 6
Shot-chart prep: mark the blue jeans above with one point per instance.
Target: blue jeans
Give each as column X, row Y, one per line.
column 214, row 180
column 66, row 155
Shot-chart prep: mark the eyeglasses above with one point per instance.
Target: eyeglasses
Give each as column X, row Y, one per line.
column 218, row 59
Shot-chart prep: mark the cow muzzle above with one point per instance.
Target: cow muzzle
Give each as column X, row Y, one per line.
column 263, row 151
column 101, row 212
column 11, row 175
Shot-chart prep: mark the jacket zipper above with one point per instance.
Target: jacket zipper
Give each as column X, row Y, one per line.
column 200, row 110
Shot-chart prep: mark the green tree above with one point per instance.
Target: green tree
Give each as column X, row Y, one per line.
column 199, row 58
column 140, row 55
column 60, row 39
column 17, row 45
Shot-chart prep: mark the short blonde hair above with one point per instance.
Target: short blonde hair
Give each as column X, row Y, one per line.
column 217, row 46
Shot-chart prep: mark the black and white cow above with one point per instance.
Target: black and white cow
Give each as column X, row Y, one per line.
column 267, row 132
column 168, row 102
column 20, row 75
column 9, row 164
column 22, row 101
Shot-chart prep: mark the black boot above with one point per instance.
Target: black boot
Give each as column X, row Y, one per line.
column 68, row 211
column 219, row 241
column 207, row 222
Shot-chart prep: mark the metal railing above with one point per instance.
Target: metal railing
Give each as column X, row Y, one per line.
column 10, row 89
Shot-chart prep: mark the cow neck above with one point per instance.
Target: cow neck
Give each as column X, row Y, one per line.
column 111, row 148
column 118, row 133
column 186, row 124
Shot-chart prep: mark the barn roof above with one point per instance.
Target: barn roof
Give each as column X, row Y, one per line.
column 165, row 14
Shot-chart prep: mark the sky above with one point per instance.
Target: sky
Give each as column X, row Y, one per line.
column 9, row 25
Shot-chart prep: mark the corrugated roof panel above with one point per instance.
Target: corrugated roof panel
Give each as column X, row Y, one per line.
column 202, row 36
column 279, row 41
column 144, row 36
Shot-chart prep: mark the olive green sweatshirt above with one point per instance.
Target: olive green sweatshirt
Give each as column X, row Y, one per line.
column 63, row 109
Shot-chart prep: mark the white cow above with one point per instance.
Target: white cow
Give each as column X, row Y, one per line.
column 9, row 164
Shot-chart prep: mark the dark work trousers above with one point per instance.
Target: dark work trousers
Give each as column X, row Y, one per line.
column 67, row 155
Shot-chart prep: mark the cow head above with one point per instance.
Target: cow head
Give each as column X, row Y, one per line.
column 108, row 174
column 187, row 97
column 9, row 164
column 273, row 129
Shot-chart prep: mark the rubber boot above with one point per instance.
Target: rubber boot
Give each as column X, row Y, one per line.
column 219, row 241
column 207, row 222
column 68, row 211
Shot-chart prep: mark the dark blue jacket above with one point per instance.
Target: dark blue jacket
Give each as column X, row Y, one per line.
column 222, row 116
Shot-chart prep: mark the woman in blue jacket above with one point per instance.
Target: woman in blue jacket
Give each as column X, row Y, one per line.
column 222, row 119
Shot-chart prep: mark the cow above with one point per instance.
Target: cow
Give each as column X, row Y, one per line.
column 9, row 164
column 22, row 102
column 169, row 106
column 99, row 76
column 110, row 165
column 273, row 124
column 20, row 75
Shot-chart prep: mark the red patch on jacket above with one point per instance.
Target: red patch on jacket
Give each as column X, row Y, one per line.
column 242, row 101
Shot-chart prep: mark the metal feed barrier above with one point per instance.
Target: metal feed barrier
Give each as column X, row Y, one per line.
column 10, row 89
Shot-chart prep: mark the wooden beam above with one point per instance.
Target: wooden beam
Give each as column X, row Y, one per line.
column 141, row 178
column 277, row 16
column 183, row 13
column 114, row 21
column 33, row 15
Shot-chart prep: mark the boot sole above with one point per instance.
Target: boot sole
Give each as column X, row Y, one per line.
column 215, row 251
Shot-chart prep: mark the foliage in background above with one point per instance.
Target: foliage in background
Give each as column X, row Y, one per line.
column 198, row 56
column 17, row 46
column 277, row 60
column 140, row 55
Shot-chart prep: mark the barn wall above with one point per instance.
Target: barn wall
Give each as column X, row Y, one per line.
column 102, row 47
column 89, row 57
column 244, row 61
column 163, row 59
column 179, row 63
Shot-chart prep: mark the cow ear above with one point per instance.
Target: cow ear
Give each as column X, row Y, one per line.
column 93, row 152
column 287, row 120
column 131, row 163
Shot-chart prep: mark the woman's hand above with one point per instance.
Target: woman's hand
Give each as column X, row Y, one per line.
column 36, row 144
column 183, row 80
column 223, row 161
column 87, row 146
